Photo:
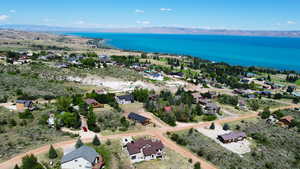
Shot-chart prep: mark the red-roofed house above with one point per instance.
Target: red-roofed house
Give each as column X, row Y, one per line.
column 145, row 150
column 168, row 109
column 94, row 103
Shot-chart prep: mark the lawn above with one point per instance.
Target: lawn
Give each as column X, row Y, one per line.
column 172, row 160
column 113, row 155
column 116, row 158
column 298, row 82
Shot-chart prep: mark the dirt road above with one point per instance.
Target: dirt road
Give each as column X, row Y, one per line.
column 155, row 132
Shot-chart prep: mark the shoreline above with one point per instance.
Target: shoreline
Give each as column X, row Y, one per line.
column 105, row 42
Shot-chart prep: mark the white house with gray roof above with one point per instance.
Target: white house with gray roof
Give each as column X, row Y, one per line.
column 82, row 158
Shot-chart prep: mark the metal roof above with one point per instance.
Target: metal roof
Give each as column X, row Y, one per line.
column 84, row 152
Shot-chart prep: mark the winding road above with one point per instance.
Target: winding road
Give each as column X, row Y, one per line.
column 155, row 132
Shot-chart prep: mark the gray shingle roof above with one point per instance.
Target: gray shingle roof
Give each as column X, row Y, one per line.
column 84, row 152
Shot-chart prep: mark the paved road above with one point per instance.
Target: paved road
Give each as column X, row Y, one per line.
column 155, row 132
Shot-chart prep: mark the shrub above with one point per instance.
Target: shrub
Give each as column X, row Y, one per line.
column 96, row 141
column 209, row 117
column 197, row 165
column 108, row 142
column 226, row 127
column 266, row 113
column 31, row 162
column 26, row 115
column 52, row 154
column 78, row 143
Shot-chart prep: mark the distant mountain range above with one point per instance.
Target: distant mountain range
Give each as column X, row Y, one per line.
column 155, row 30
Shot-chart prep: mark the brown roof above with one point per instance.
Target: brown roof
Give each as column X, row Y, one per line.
column 148, row 147
column 287, row 118
column 91, row 101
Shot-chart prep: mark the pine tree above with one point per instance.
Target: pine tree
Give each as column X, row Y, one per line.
column 197, row 166
column 52, row 153
column 17, row 167
column 78, row 143
column 212, row 126
column 226, row 127
column 96, row 141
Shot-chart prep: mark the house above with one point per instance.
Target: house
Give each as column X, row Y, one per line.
column 197, row 97
column 93, row 103
column 145, row 150
column 51, row 120
column 251, row 96
column 264, row 93
column 239, row 91
column 125, row 141
column 232, row 137
column 210, row 95
column 242, row 104
column 155, row 76
column 23, row 105
column 82, row 158
column 124, row 99
column 61, row 65
column 177, row 74
column 297, row 94
column 102, row 91
column 212, row 109
column 204, row 102
column 271, row 120
column 138, row 118
column 286, row 121
column 104, row 59
column 168, row 109
column 250, row 75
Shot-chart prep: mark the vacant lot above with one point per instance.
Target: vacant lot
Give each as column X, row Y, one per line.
column 18, row 135
column 274, row 148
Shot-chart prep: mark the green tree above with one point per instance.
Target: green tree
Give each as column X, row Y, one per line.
column 254, row 105
column 79, row 143
column 17, row 167
column 96, row 141
column 226, row 127
column 63, row 103
column 212, row 126
column 52, row 154
column 266, row 113
column 30, row 162
column 91, row 120
column 197, row 165
column 141, row 95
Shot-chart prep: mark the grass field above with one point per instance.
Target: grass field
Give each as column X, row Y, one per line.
column 298, row 82
column 172, row 160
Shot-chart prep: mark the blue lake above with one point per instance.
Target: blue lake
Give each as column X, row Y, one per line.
column 273, row 52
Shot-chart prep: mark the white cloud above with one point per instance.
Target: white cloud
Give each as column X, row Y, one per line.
column 166, row 9
column 48, row 20
column 143, row 22
column 12, row 11
column 139, row 11
column 3, row 17
column 291, row 22
column 81, row 22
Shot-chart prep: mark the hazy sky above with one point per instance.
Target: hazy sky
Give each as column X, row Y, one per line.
column 214, row 14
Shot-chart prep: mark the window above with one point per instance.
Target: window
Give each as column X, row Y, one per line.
column 133, row 157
